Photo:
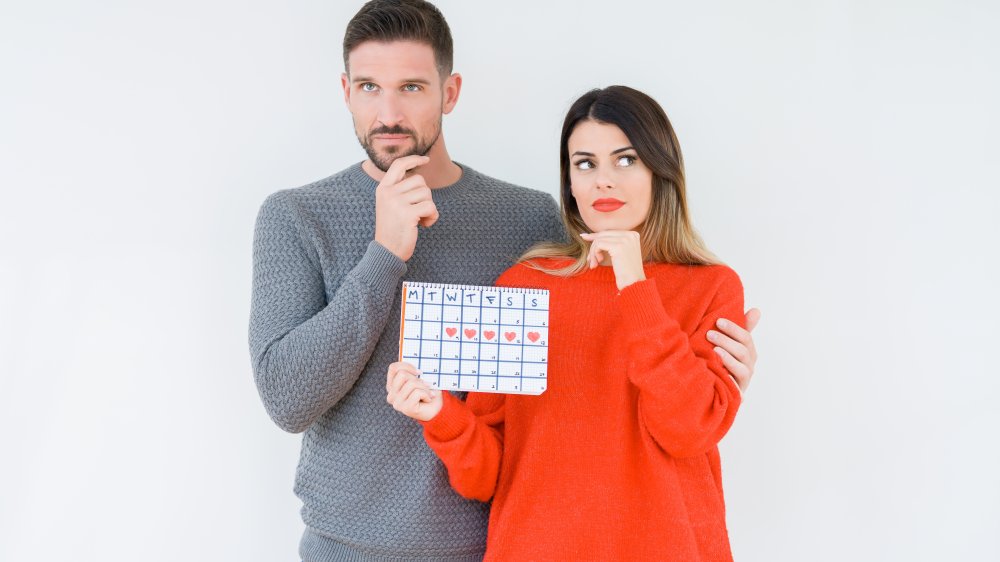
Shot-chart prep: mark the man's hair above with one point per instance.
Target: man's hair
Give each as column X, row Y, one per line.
column 401, row 20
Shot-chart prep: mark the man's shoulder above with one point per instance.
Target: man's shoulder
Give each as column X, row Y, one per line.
column 499, row 188
column 533, row 213
column 348, row 185
column 351, row 179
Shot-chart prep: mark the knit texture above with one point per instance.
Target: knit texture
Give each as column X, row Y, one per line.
column 618, row 459
column 324, row 327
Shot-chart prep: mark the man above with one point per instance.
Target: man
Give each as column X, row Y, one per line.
column 329, row 259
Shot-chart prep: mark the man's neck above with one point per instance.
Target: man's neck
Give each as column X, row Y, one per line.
column 439, row 172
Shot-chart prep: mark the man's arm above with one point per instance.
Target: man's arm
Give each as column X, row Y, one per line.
column 307, row 353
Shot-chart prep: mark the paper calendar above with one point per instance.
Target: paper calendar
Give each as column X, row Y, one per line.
column 476, row 338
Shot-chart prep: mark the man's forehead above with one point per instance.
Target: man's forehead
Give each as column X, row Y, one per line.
column 396, row 60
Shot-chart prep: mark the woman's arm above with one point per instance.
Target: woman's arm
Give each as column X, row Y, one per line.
column 687, row 398
column 466, row 436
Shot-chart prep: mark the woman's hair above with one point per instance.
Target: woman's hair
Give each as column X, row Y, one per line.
column 666, row 234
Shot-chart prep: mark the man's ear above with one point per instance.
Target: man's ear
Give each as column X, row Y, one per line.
column 345, row 83
column 452, row 88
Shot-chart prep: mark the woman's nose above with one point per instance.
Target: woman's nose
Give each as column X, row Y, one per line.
column 604, row 181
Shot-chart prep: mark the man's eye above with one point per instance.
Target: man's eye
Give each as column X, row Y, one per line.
column 584, row 165
column 626, row 161
column 411, row 88
column 368, row 87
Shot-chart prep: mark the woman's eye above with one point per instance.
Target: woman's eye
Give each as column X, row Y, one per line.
column 626, row 161
column 584, row 165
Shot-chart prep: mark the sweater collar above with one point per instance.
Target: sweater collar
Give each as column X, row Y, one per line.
column 467, row 180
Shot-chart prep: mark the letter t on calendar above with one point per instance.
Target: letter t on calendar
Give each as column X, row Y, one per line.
column 476, row 338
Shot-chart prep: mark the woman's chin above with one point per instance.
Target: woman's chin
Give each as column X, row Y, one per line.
column 596, row 226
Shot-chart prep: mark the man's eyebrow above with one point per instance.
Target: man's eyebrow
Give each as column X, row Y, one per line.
column 421, row 81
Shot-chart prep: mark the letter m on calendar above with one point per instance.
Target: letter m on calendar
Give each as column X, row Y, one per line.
column 476, row 338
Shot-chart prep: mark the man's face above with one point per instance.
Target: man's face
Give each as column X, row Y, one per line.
column 396, row 97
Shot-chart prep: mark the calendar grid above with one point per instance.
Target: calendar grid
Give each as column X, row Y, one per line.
column 461, row 330
column 524, row 336
column 422, row 316
column 513, row 317
column 440, row 343
column 479, row 351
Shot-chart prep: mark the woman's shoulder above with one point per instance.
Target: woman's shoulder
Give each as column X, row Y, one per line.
column 722, row 272
column 527, row 274
column 713, row 277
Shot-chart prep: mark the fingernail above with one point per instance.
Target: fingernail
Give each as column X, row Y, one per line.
column 712, row 335
column 719, row 351
column 722, row 323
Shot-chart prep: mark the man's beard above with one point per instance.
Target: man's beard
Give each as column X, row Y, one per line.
column 421, row 146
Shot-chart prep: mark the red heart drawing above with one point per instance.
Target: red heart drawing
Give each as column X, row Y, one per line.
column 533, row 336
column 510, row 335
column 470, row 333
column 489, row 334
column 451, row 332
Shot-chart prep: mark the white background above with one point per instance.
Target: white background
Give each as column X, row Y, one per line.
column 842, row 157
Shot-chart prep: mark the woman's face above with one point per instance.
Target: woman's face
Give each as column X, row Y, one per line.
column 612, row 187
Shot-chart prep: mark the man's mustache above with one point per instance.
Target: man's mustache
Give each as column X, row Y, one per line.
column 395, row 130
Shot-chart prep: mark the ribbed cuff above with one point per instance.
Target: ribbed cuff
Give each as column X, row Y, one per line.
column 451, row 421
column 640, row 304
column 379, row 268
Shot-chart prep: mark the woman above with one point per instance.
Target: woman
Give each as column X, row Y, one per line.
column 618, row 459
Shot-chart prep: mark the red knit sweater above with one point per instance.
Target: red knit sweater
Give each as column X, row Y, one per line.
column 618, row 459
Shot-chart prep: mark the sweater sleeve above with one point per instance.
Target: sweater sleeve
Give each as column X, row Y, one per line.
column 306, row 352
column 468, row 438
column 687, row 399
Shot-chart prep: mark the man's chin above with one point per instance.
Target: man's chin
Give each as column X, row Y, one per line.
column 383, row 160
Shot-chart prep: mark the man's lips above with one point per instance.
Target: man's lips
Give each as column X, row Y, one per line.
column 391, row 138
column 607, row 205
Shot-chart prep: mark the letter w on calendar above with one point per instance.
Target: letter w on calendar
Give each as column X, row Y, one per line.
column 476, row 338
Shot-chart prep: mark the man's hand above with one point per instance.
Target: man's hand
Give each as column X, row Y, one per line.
column 735, row 346
column 401, row 203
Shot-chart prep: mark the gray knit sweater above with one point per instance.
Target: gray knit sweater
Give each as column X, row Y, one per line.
column 324, row 326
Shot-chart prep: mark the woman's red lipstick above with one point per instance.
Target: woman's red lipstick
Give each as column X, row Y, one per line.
column 607, row 205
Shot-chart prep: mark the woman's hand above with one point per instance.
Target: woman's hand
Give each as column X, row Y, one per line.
column 410, row 395
column 622, row 247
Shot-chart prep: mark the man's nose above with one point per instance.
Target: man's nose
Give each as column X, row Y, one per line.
column 390, row 111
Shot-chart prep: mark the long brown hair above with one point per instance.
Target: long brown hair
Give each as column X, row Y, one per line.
column 666, row 234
